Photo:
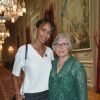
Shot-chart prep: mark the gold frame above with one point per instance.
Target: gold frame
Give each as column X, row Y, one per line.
column 34, row 19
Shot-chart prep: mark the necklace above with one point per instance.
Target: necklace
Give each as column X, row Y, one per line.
column 40, row 50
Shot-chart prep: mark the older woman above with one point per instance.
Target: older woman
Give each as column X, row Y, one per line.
column 68, row 79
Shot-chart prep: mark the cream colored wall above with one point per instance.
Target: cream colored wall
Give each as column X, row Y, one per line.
column 87, row 57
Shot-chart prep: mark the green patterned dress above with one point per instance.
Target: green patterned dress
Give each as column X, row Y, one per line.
column 70, row 83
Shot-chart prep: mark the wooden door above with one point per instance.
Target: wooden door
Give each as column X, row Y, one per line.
column 28, row 39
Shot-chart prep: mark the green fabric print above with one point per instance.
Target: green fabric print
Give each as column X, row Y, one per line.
column 70, row 83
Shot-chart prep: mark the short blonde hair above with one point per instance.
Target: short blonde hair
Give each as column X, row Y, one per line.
column 65, row 36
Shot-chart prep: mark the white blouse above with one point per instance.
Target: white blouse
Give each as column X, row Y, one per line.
column 37, row 69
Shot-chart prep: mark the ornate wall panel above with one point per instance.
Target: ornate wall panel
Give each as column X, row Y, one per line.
column 79, row 17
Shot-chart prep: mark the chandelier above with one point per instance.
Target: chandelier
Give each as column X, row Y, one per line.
column 4, row 33
column 12, row 9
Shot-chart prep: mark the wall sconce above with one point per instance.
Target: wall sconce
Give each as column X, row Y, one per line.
column 0, row 47
column 10, row 50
